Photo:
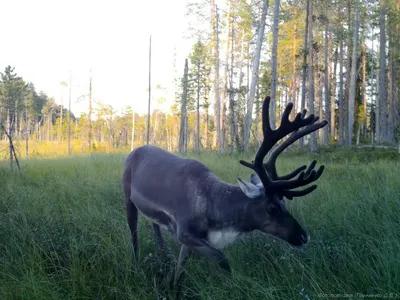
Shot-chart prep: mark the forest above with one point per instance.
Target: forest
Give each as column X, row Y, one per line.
column 63, row 223
column 338, row 60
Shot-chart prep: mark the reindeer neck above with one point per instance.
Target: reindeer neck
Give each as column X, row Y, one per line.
column 229, row 207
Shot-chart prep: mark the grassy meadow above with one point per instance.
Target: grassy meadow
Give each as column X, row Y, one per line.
column 64, row 234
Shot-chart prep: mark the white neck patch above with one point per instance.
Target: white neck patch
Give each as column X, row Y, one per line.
column 222, row 238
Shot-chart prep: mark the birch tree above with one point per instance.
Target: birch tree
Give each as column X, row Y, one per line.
column 255, row 71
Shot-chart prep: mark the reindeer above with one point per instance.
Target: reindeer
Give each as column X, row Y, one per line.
column 206, row 214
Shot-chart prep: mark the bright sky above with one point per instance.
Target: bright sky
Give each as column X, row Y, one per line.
column 45, row 39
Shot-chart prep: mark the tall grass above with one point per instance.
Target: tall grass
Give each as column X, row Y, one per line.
column 55, row 149
column 64, row 235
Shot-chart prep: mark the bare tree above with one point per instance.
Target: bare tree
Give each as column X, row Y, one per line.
column 313, row 139
column 326, row 84
column 304, row 71
column 13, row 154
column 133, row 129
column 69, row 115
column 352, row 96
column 333, row 97
column 382, row 110
column 364, row 89
column 148, row 107
column 182, row 133
column 341, row 92
column 226, row 71
column 217, row 101
column 274, row 62
column 255, row 71
column 90, row 113
column 63, row 85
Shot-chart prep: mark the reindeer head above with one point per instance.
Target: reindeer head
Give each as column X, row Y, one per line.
column 267, row 189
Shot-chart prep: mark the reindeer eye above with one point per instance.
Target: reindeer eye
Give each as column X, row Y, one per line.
column 274, row 209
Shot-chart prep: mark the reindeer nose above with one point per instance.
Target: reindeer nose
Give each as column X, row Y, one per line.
column 305, row 238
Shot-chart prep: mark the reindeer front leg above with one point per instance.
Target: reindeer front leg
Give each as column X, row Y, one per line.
column 184, row 255
column 191, row 243
column 199, row 245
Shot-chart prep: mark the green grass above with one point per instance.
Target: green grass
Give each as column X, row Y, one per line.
column 64, row 235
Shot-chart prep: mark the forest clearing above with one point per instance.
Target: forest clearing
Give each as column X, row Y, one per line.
column 229, row 84
column 64, row 234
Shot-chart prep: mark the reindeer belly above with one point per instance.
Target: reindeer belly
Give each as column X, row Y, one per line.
column 222, row 238
column 154, row 213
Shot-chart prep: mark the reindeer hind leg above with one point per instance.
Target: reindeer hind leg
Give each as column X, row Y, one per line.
column 159, row 237
column 132, row 216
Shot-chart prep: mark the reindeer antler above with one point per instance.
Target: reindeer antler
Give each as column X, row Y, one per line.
column 299, row 127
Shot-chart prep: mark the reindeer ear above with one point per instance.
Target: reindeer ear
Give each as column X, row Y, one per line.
column 249, row 189
column 254, row 179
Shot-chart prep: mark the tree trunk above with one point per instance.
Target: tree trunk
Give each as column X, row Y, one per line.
column 48, row 127
column 206, row 128
column 341, row 95
column 348, row 70
column 226, row 71
column 26, row 130
column 333, row 99
column 377, row 104
column 90, row 113
column 231, row 92
column 382, row 74
column 197, row 143
column 304, row 71
column 69, row 115
column 274, row 63
column 353, row 79
column 373, row 99
column 155, row 126
column 313, row 138
column 364, row 88
column 182, row 134
column 61, row 121
column 217, row 105
column 326, row 86
column 255, row 70
column 292, row 97
column 257, row 120
column 391, row 96
column 148, row 105
column 11, row 115
column 133, row 129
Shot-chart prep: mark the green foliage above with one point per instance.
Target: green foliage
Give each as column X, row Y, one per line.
column 64, row 234
column 200, row 69
column 20, row 103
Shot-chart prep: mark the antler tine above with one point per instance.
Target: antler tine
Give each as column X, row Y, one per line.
column 305, row 177
column 266, row 145
column 299, row 122
column 291, row 194
column 266, row 126
column 267, row 172
column 311, row 176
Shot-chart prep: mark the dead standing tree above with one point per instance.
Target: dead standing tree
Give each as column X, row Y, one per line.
column 12, row 92
column 13, row 154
